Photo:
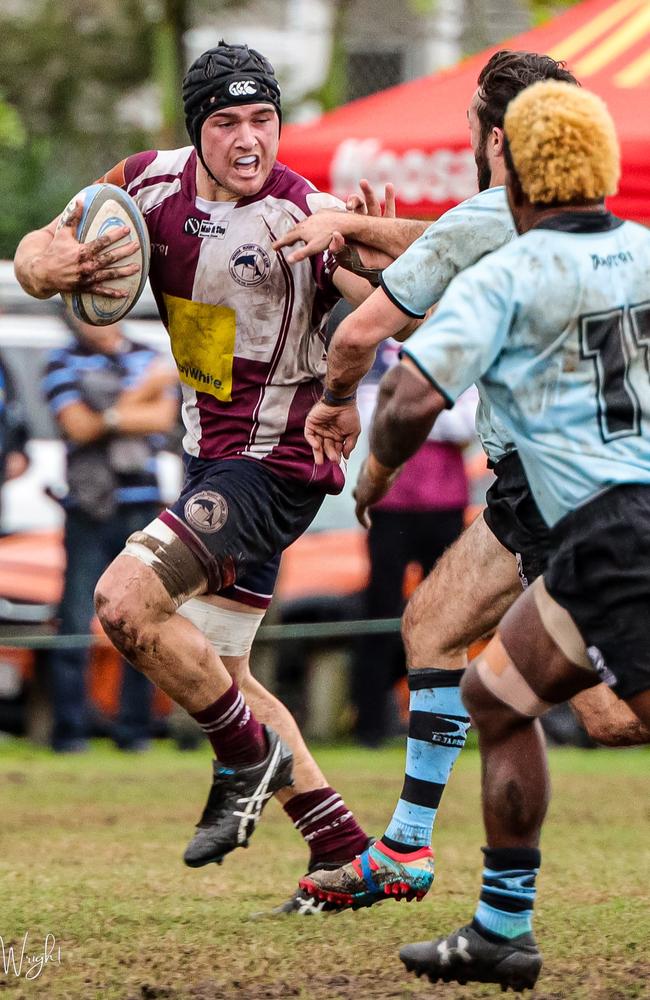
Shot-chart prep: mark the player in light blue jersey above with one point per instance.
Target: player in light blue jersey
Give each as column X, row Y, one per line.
column 557, row 325
column 557, row 328
column 416, row 281
column 481, row 575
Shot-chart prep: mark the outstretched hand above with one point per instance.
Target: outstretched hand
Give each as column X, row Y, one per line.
column 367, row 203
column 70, row 266
column 317, row 230
column 332, row 431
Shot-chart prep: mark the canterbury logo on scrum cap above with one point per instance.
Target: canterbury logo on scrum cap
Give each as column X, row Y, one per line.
column 242, row 88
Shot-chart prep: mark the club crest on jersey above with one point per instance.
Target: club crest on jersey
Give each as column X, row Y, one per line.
column 204, row 227
column 242, row 88
column 206, row 511
column 250, row 265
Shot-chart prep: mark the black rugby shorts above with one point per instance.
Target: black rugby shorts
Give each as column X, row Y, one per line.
column 514, row 519
column 599, row 571
column 237, row 518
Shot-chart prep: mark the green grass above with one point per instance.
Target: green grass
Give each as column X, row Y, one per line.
column 91, row 851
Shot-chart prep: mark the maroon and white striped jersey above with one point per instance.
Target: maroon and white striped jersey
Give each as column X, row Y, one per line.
column 246, row 328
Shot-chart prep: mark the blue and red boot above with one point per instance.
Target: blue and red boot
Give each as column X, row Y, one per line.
column 378, row 874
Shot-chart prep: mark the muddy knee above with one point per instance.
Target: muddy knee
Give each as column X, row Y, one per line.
column 130, row 604
column 120, row 621
column 155, row 574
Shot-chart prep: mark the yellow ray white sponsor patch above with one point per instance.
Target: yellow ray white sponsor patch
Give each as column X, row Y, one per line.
column 203, row 344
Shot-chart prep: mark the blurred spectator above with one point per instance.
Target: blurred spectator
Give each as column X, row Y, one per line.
column 114, row 403
column 13, row 430
column 417, row 520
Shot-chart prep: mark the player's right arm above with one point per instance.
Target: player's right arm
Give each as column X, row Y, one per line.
column 390, row 236
column 410, row 289
column 358, row 224
column 446, row 355
column 51, row 259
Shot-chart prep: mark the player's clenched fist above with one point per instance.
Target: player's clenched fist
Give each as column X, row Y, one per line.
column 373, row 484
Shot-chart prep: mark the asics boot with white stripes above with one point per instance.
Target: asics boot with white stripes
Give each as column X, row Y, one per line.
column 235, row 803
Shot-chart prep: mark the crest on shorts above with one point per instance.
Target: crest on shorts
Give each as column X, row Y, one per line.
column 249, row 265
column 206, row 511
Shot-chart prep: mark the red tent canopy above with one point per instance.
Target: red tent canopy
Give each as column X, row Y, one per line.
column 416, row 134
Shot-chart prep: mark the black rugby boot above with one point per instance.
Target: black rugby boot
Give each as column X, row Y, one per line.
column 235, row 803
column 466, row 956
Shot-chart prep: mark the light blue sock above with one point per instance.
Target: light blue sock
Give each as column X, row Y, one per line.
column 508, row 893
column 438, row 725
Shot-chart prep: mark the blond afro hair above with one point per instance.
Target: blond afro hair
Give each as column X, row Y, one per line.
column 562, row 143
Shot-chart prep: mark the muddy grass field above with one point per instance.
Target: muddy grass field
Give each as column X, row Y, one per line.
column 91, row 856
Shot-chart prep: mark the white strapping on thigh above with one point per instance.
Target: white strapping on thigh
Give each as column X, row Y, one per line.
column 560, row 626
column 178, row 569
column 156, row 529
column 501, row 677
column 230, row 632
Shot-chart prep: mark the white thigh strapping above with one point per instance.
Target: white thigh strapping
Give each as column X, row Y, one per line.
column 230, row 632
column 560, row 626
column 178, row 569
column 511, row 688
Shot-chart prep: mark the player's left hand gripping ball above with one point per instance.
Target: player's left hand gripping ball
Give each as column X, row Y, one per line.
column 106, row 207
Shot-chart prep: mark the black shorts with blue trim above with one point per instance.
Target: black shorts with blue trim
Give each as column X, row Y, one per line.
column 237, row 518
column 514, row 519
column 599, row 571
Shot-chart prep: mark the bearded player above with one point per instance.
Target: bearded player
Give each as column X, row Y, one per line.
column 480, row 575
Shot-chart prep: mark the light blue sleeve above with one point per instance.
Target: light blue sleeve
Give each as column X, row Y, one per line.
column 59, row 382
column 459, row 238
column 460, row 342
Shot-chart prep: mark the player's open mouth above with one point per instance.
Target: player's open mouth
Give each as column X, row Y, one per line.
column 247, row 164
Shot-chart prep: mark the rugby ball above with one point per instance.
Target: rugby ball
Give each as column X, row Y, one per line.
column 106, row 206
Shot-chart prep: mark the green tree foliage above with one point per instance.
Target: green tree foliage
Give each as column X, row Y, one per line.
column 332, row 91
column 12, row 133
column 66, row 66
column 544, row 10
column 73, row 71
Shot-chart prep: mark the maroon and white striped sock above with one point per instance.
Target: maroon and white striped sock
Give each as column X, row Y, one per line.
column 237, row 738
column 327, row 825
